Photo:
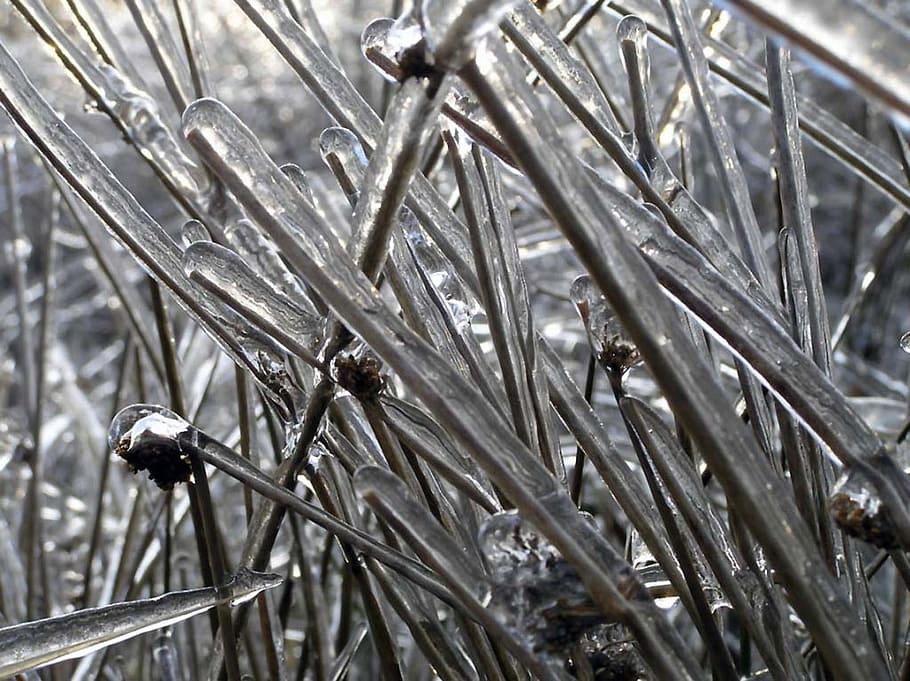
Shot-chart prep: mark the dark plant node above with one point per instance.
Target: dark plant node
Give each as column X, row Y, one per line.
column 166, row 464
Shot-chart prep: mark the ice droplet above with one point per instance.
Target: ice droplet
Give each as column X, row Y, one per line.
column 905, row 342
column 194, row 231
column 632, row 28
column 384, row 43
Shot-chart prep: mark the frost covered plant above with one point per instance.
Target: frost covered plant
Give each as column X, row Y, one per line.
column 347, row 303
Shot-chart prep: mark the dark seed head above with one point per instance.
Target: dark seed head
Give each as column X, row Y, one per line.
column 359, row 376
column 859, row 511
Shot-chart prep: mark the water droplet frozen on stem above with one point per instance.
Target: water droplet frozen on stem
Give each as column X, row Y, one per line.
column 632, row 28
column 374, row 44
column 905, row 342
column 396, row 48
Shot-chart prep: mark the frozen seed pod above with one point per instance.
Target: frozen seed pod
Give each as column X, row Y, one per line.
column 612, row 654
column 535, row 592
column 859, row 511
column 359, row 375
column 612, row 347
column 148, row 437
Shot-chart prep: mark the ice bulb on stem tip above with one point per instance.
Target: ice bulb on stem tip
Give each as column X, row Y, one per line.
column 148, row 437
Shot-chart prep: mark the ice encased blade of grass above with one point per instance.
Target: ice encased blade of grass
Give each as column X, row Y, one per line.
column 131, row 108
column 168, row 58
column 749, row 324
column 344, row 104
column 39, row 643
column 686, row 381
column 121, row 213
column 720, row 142
column 552, row 54
column 501, row 321
column 744, row 589
column 685, row 216
column 454, row 402
column 431, row 442
column 435, row 300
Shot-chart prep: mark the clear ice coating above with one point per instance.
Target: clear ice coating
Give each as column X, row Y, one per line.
column 452, row 29
column 461, row 304
column 264, row 298
column 612, row 347
column 139, row 113
column 536, row 593
column 136, row 422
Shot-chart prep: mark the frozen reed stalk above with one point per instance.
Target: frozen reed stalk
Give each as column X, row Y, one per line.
column 33, row 645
